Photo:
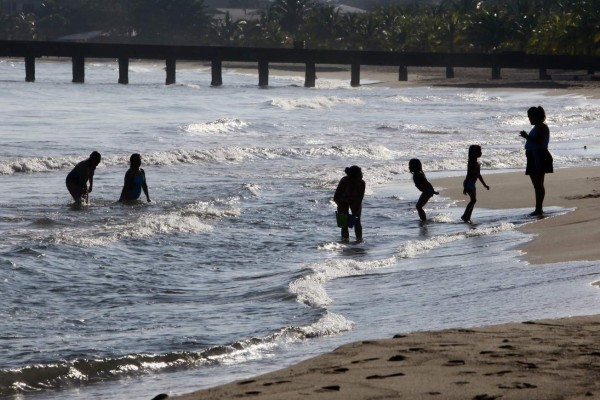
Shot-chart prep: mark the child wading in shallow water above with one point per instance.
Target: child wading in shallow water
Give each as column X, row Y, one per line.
column 135, row 181
column 421, row 182
column 473, row 174
column 80, row 175
column 348, row 196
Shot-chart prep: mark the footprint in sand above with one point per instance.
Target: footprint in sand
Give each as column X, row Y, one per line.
column 517, row 385
column 332, row 388
column 398, row 357
column 385, row 376
column 454, row 363
column 365, row 360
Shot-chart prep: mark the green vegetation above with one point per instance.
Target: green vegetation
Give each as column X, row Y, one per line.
column 532, row 26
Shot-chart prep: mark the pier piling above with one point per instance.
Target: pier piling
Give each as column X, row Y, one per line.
column 355, row 75
column 78, row 69
column 496, row 73
column 29, row 69
column 216, row 68
column 78, row 52
column 170, row 66
column 123, row 70
column 263, row 73
column 310, row 75
column 403, row 73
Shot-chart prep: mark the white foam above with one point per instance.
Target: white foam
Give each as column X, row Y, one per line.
column 254, row 189
column 315, row 103
column 310, row 289
column 414, row 248
column 328, row 324
column 192, row 218
column 146, row 226
column 219, row 126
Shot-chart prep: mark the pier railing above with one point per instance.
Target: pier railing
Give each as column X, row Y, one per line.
column 78, row 52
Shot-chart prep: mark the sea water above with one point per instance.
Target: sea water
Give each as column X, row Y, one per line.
column 236, row 266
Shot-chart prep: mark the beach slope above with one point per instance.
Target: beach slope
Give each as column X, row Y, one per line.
column 546, row 359
column 568, row 237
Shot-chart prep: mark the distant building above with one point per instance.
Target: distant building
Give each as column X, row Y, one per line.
column 17, row 6
column 345, row 9
column 237, row 14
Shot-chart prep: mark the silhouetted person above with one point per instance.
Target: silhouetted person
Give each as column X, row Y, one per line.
column 77, row 179
column 348, row 196
column 421, row 182
column 135, row 181
column 473, row 174
column 539, row 160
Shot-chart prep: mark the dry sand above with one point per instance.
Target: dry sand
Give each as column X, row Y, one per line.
column 545, row 360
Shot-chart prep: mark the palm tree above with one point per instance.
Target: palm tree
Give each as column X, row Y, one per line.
column 488, row 29
column 321, row 26
column 290, row 13
column 227, row 31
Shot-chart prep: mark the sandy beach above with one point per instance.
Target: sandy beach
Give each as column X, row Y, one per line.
column 545, row 359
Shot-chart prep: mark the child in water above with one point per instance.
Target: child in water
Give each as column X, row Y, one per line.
column 473, row 174
column 348, row 197
column 421, row 182
column 135, row 181
column 77, row 179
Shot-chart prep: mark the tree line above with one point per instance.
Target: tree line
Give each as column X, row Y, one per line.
column 531, row 26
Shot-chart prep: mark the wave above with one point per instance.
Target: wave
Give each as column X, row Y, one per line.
column 320, row 83
column 414, row 248
column 66, row 373
column 219, row 126
column 451, row 98
column 310, row 289
column 189, row 219
column 192, row 218
column 221, row 155
column 314, row 103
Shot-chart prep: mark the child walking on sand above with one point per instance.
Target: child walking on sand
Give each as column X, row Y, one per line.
column 473, row 174
column 421, row 182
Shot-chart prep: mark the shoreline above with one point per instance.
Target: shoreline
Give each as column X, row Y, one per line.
column 543, row 359
column 562, row 238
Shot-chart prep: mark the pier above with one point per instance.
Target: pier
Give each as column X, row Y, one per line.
column 79, row 52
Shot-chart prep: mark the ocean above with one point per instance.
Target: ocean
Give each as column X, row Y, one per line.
column 236, row 266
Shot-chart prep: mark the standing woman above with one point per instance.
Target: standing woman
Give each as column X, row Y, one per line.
column 539, row 160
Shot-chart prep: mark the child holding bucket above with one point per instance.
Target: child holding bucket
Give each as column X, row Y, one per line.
column 348, row 197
